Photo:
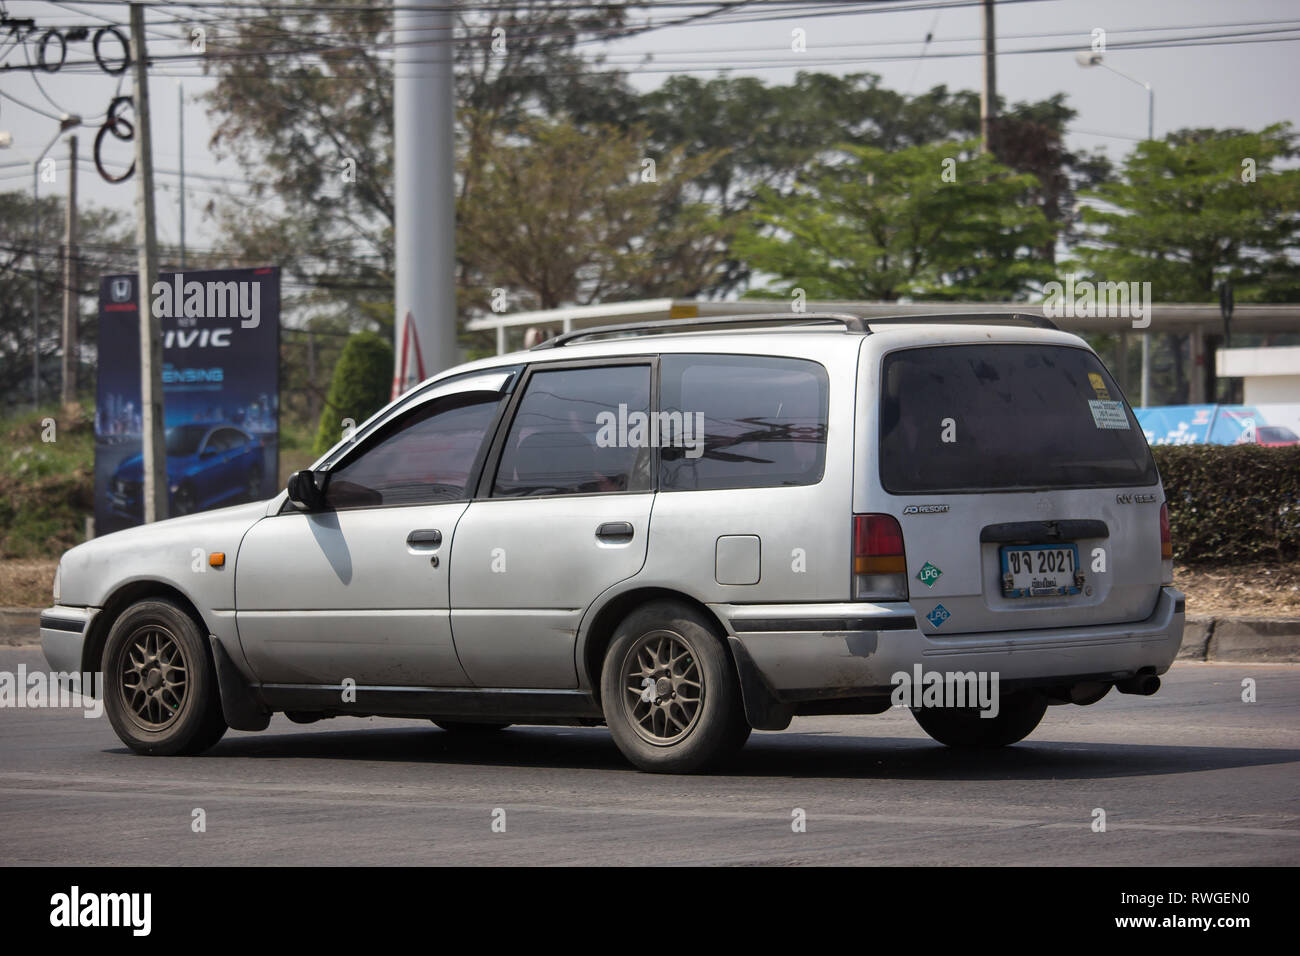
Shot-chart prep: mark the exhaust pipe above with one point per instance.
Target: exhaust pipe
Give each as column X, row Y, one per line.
column 1144, row 683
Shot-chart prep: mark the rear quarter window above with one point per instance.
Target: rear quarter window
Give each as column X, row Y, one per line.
column 999, row 417
column 762, row 421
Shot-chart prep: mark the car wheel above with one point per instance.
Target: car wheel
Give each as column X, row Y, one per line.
column 1018, row 715
column 254, row 487
column 182, row 502
column 160, row 688
column 669, row 691
column 469, row 727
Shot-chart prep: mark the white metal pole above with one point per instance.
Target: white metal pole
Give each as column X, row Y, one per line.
column 424, row 157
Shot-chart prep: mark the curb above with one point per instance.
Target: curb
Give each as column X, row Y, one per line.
column 20, row 625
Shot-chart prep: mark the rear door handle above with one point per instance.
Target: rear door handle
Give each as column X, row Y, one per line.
column 615, row 531
column 424, row 538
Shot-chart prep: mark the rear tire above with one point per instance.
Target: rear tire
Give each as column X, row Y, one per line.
column 669, row 691
column 1018, row 715
column 160, row 688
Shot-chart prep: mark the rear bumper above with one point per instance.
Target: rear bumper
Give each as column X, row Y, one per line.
column 818, row 651
column 63, row 636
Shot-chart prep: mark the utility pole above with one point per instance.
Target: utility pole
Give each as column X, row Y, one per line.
column 146, row 238
column 70, row 297
column 180, row 126
column 423, row 113
column 989, row 94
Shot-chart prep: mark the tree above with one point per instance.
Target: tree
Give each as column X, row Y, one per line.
column 576, row 216
column 940, row 221
column 104, row 246
column 359, row 387
column 1198, row 207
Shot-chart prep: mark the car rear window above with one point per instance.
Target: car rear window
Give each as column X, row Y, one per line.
column 1000, row 417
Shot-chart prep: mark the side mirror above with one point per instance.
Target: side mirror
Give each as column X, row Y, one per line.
column 306, row 490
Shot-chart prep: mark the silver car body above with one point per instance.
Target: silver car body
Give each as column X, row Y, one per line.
column 307, row 601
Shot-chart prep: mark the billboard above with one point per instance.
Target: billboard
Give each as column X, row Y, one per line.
column 221, row 391
column 1268, row 424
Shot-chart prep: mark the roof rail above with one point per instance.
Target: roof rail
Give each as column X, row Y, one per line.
column 851, row 323
column 939, row 318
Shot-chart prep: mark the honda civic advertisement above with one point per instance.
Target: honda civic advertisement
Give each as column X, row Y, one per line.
column 220, row 377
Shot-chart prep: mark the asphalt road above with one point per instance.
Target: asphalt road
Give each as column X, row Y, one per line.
column 1192, row 776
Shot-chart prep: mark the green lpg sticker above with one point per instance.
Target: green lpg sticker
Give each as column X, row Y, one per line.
column 928, row 574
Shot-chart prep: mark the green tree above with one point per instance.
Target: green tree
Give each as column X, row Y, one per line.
column 566, row 215
column 361, row 385
column 940, row 221
column 104, row 246
column 1198, row 207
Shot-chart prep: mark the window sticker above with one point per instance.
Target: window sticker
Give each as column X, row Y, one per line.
column 1099, row 386
column 1108, row 414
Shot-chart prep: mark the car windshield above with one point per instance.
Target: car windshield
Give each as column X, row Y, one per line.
column 185, row 439
column 1276, row 433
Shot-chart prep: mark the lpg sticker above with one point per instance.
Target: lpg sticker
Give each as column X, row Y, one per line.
column 938, row 616
column 1099, row 386
column 1108, row 414
column 928, row 574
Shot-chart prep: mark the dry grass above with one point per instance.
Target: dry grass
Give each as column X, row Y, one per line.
column 26, row 583
column 1247, row 590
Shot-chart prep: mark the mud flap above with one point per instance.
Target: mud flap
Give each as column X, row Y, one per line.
column 241, row 705
column 762, row 709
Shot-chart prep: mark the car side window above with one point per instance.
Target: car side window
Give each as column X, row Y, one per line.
column 754, row 421
column 424, row 456
column 566, row 437
column 216, row 442
column 225, row 439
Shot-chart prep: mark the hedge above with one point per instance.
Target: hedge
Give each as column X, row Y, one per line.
column 1230, row 503
column 361, row 386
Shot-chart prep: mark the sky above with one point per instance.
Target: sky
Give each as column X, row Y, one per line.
column 1248, row 85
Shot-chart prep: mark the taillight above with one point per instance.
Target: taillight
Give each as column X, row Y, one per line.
column 1166, row 547
column 879, row 563
column 1166, row 539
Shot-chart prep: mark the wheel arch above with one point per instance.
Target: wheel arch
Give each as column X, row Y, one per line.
column 598, row 634
column 118, row 601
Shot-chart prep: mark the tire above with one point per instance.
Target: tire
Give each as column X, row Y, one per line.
column 1018, row 715
column 469, row 727
column 157, row 645
column 696, row 718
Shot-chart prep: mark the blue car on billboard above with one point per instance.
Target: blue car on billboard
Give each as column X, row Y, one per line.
column 207, row 465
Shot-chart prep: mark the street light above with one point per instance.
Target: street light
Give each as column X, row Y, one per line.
column 67, row 122
column 1087, row 59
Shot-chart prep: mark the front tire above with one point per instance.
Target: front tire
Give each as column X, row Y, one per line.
column 669, row 691
column 963, row 727
column 160, row 688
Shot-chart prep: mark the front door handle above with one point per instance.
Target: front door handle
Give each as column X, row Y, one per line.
column 615, row 531
column 424, row 538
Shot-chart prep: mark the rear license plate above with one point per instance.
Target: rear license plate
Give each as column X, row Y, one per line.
column 1039, row 570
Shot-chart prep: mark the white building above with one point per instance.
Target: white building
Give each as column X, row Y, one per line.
column 1268, row 375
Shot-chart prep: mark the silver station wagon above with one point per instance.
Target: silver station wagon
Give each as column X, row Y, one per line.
column 681, row 530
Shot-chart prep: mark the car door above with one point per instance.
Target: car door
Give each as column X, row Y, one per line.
column 563, row 516
column 359, row 589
